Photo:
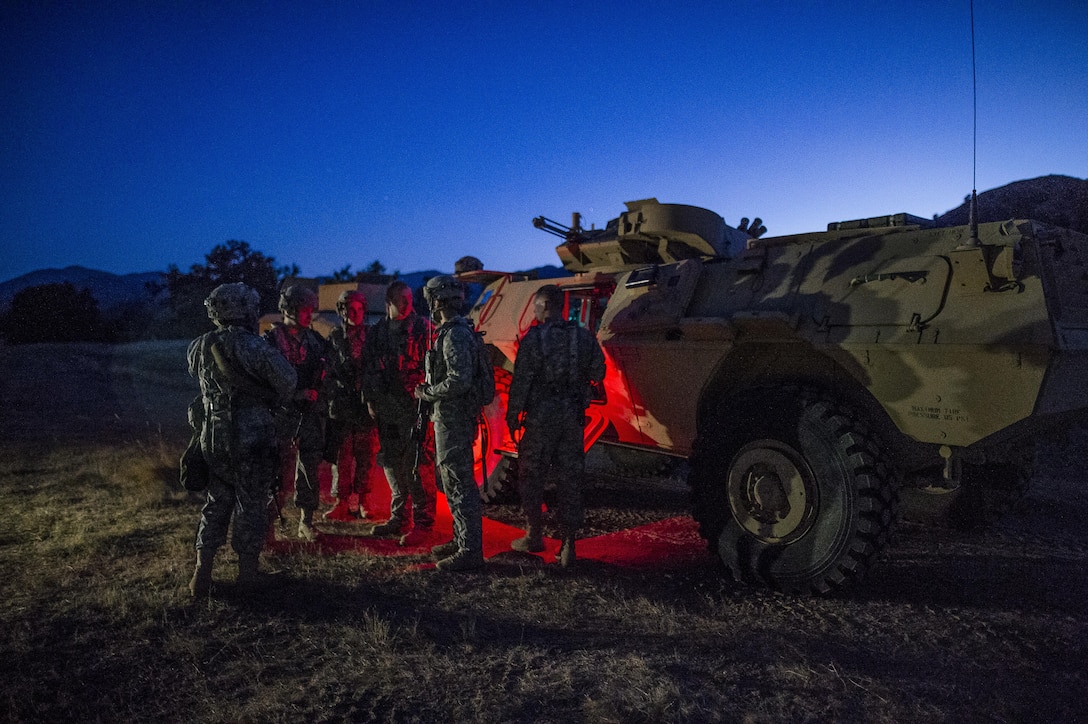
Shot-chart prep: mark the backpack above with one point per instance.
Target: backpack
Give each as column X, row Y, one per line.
column 484, row 374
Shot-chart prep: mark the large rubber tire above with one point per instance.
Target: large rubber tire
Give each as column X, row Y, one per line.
column 791, row 492
column 501, row 485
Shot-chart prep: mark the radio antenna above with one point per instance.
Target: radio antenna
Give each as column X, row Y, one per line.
column 972, row 214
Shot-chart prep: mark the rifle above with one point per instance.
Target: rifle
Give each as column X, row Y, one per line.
column 418, row 438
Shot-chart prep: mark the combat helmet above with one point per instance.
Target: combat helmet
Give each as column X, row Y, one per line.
column 467, row 264
column 232, row 303
column 347, row 297
column 444, row 292
column 294, row 298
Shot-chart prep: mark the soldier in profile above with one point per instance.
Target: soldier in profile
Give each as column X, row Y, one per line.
column 451, row 389
column 240, row 378
column 396, row 349
column 557, row 365
column 301, row 431
column 349, row 433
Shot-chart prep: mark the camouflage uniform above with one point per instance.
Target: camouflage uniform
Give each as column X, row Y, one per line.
column 350, row 432
column 450, row 387
column 304, row 428
column 556, row 363
column 395, row 361
column 238, row 437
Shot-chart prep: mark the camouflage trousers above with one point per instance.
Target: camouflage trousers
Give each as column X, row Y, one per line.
column 237, row 489
column 354, row 457
column 410, row 480
column 552, row 449
column 300, row 458
column 453, row 438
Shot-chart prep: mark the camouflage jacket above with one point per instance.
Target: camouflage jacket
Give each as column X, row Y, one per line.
column 395, row 357
column 345, row 358
column 240, row 377
column 450, row 368
column 248, row 371
column 305, row 352
column 557, row 364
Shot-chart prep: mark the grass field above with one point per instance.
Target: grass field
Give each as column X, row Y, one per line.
column 96, row 623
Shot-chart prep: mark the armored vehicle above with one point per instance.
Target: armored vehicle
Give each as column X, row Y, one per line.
column 810, row 378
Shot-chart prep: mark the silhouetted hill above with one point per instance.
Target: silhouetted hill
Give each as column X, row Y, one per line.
column 109, row 289
column 1058, row 200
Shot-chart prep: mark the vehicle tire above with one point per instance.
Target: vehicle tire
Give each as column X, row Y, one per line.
column 638, row 463
column 790, row 491
column 501, row 485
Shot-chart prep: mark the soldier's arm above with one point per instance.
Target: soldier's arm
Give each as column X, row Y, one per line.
column 524, row 371
column 459, row 353
column 597, row 365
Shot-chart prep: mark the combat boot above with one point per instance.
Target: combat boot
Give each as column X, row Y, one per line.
column 392, row 526
column 201, row 582
column 306, row 526
column 566, row 551
column 248, row 577
column 414, row 537
column 341, row 512
column 531, row 542
column 445, row 550
column 462, row 561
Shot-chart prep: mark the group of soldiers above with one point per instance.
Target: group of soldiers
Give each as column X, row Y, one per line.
column 272, row 408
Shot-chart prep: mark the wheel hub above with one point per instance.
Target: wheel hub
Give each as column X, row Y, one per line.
column 772, row 494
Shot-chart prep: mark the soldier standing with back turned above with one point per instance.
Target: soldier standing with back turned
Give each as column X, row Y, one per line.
column 451, row 388
column 558, row 362
column 302, row 434
column 240, row 378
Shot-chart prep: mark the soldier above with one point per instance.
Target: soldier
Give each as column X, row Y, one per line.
column 240, row 378
column 301, row 433
column 350, row 431
column 396, row 348
column 467, row 265
column 450, row 387
column 558, row 362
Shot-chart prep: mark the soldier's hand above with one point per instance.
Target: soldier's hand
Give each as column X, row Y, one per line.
column 370, row 410
column 513, row 422
column 420, row 393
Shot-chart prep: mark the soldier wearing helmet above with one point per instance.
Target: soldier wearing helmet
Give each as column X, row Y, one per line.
column 450, row 388
column 302, row 435
column 472, row 289
column 350, row 431
column 557, row 365
column 397, row 344
column 240, row 377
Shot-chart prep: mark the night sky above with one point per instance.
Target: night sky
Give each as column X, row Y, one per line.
column 142, row 134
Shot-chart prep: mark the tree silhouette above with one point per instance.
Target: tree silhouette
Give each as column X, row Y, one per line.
column 227, row 263
column 55, row 312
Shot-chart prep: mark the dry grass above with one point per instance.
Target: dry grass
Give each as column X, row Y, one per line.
column 95, row 622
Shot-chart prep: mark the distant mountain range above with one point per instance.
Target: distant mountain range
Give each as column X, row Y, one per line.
column 1058, row 200
column 111, row 290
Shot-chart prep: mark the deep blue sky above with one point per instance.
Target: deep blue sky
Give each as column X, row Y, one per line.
column 140, row 134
